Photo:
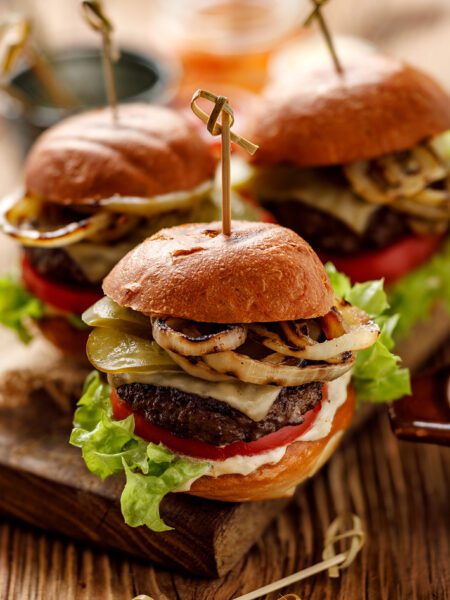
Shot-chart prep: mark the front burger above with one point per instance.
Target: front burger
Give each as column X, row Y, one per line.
column 359, row 165
column 93, row 190
column 224, row 366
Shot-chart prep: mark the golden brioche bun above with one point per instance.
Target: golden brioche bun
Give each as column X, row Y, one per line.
column 261, row 272
column 302, row 460
column 64, row 336
column 150, row 150
column 377, row 106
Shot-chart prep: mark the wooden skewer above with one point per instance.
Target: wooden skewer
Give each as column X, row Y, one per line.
column 15, row 37
column 316, row 14
column 226, row 183
column 222, row 108
column 332, row 562
column 299, row 576
column 96, row 18
column 59, row 94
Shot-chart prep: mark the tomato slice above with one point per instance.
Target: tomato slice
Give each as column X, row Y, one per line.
column 62, row 297
column 199, row 449
column 391, row 262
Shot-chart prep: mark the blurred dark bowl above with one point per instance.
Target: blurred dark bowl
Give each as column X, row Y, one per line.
column 139, row 78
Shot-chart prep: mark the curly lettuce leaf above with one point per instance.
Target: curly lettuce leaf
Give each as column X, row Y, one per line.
column 415, row 294
column 109, row 447
column 377, row 375
column 17, row 306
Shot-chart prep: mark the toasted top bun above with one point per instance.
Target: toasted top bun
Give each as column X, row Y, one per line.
column 150, row 150
column 318, row 117
column 261, row 272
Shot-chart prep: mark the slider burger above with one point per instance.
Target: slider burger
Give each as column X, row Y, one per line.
column 93, row 190
column 358, row 164
column 223, row 366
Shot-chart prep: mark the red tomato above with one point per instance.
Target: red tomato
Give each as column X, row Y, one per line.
column 391, row 262
column 61, row 297
column 199, row 449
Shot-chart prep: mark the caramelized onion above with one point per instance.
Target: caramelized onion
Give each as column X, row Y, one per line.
column 428, row 204
column 275, row 369
column 359, row 338
column 16, row 208
column 171, row 334
column 196, row 367
column 148, row 207
column 402, row 174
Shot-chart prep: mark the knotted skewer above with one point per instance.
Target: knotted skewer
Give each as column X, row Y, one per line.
column 316, row 15
column 96, row 18
column 15, row 41
column 222, row 109
column 332, row 562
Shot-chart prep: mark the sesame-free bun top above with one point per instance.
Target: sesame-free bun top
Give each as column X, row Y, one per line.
column 260, row 273
column 317, row 117
column 150, row 150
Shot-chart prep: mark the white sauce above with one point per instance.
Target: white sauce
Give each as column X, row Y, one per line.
column 337, row 394
column 243, row 465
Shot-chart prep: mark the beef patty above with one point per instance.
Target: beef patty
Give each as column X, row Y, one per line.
column 209, row 420
column 327, row 233
column 56, row 265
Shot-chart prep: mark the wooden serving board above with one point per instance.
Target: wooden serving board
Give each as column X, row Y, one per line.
column 43, row 481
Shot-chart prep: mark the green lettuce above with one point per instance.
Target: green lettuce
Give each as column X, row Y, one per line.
column 415, row 294
column 110, row 447
column 17, row 307
column 377, row 375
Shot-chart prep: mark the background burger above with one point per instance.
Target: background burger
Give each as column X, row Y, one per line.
column 224, row 366
column 358, row 164
column 93, row 190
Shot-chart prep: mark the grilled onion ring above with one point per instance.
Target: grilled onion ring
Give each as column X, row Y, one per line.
column 50, row 238
column 149, row 207
column 197, row 368
column 267, row 372
column 403, row 176
column 169, row 338
column 429, row 204
column 358, row 338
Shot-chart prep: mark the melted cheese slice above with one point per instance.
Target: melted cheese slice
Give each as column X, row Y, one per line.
column 97, row 260
column 252, row 400
column 315, row 189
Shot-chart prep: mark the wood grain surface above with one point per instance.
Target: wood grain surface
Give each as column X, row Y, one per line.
column 400, row 490
column 44, row 482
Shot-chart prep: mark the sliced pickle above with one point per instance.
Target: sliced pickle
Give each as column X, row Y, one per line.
column 114, row 351
column 107, row 313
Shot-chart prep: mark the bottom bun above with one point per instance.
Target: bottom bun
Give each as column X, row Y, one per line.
column 279, row 480
column 67, row 338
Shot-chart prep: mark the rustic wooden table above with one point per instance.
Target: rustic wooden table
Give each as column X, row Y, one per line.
column 400, row 490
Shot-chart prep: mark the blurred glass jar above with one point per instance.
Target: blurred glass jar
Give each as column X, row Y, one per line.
column 226, row 41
